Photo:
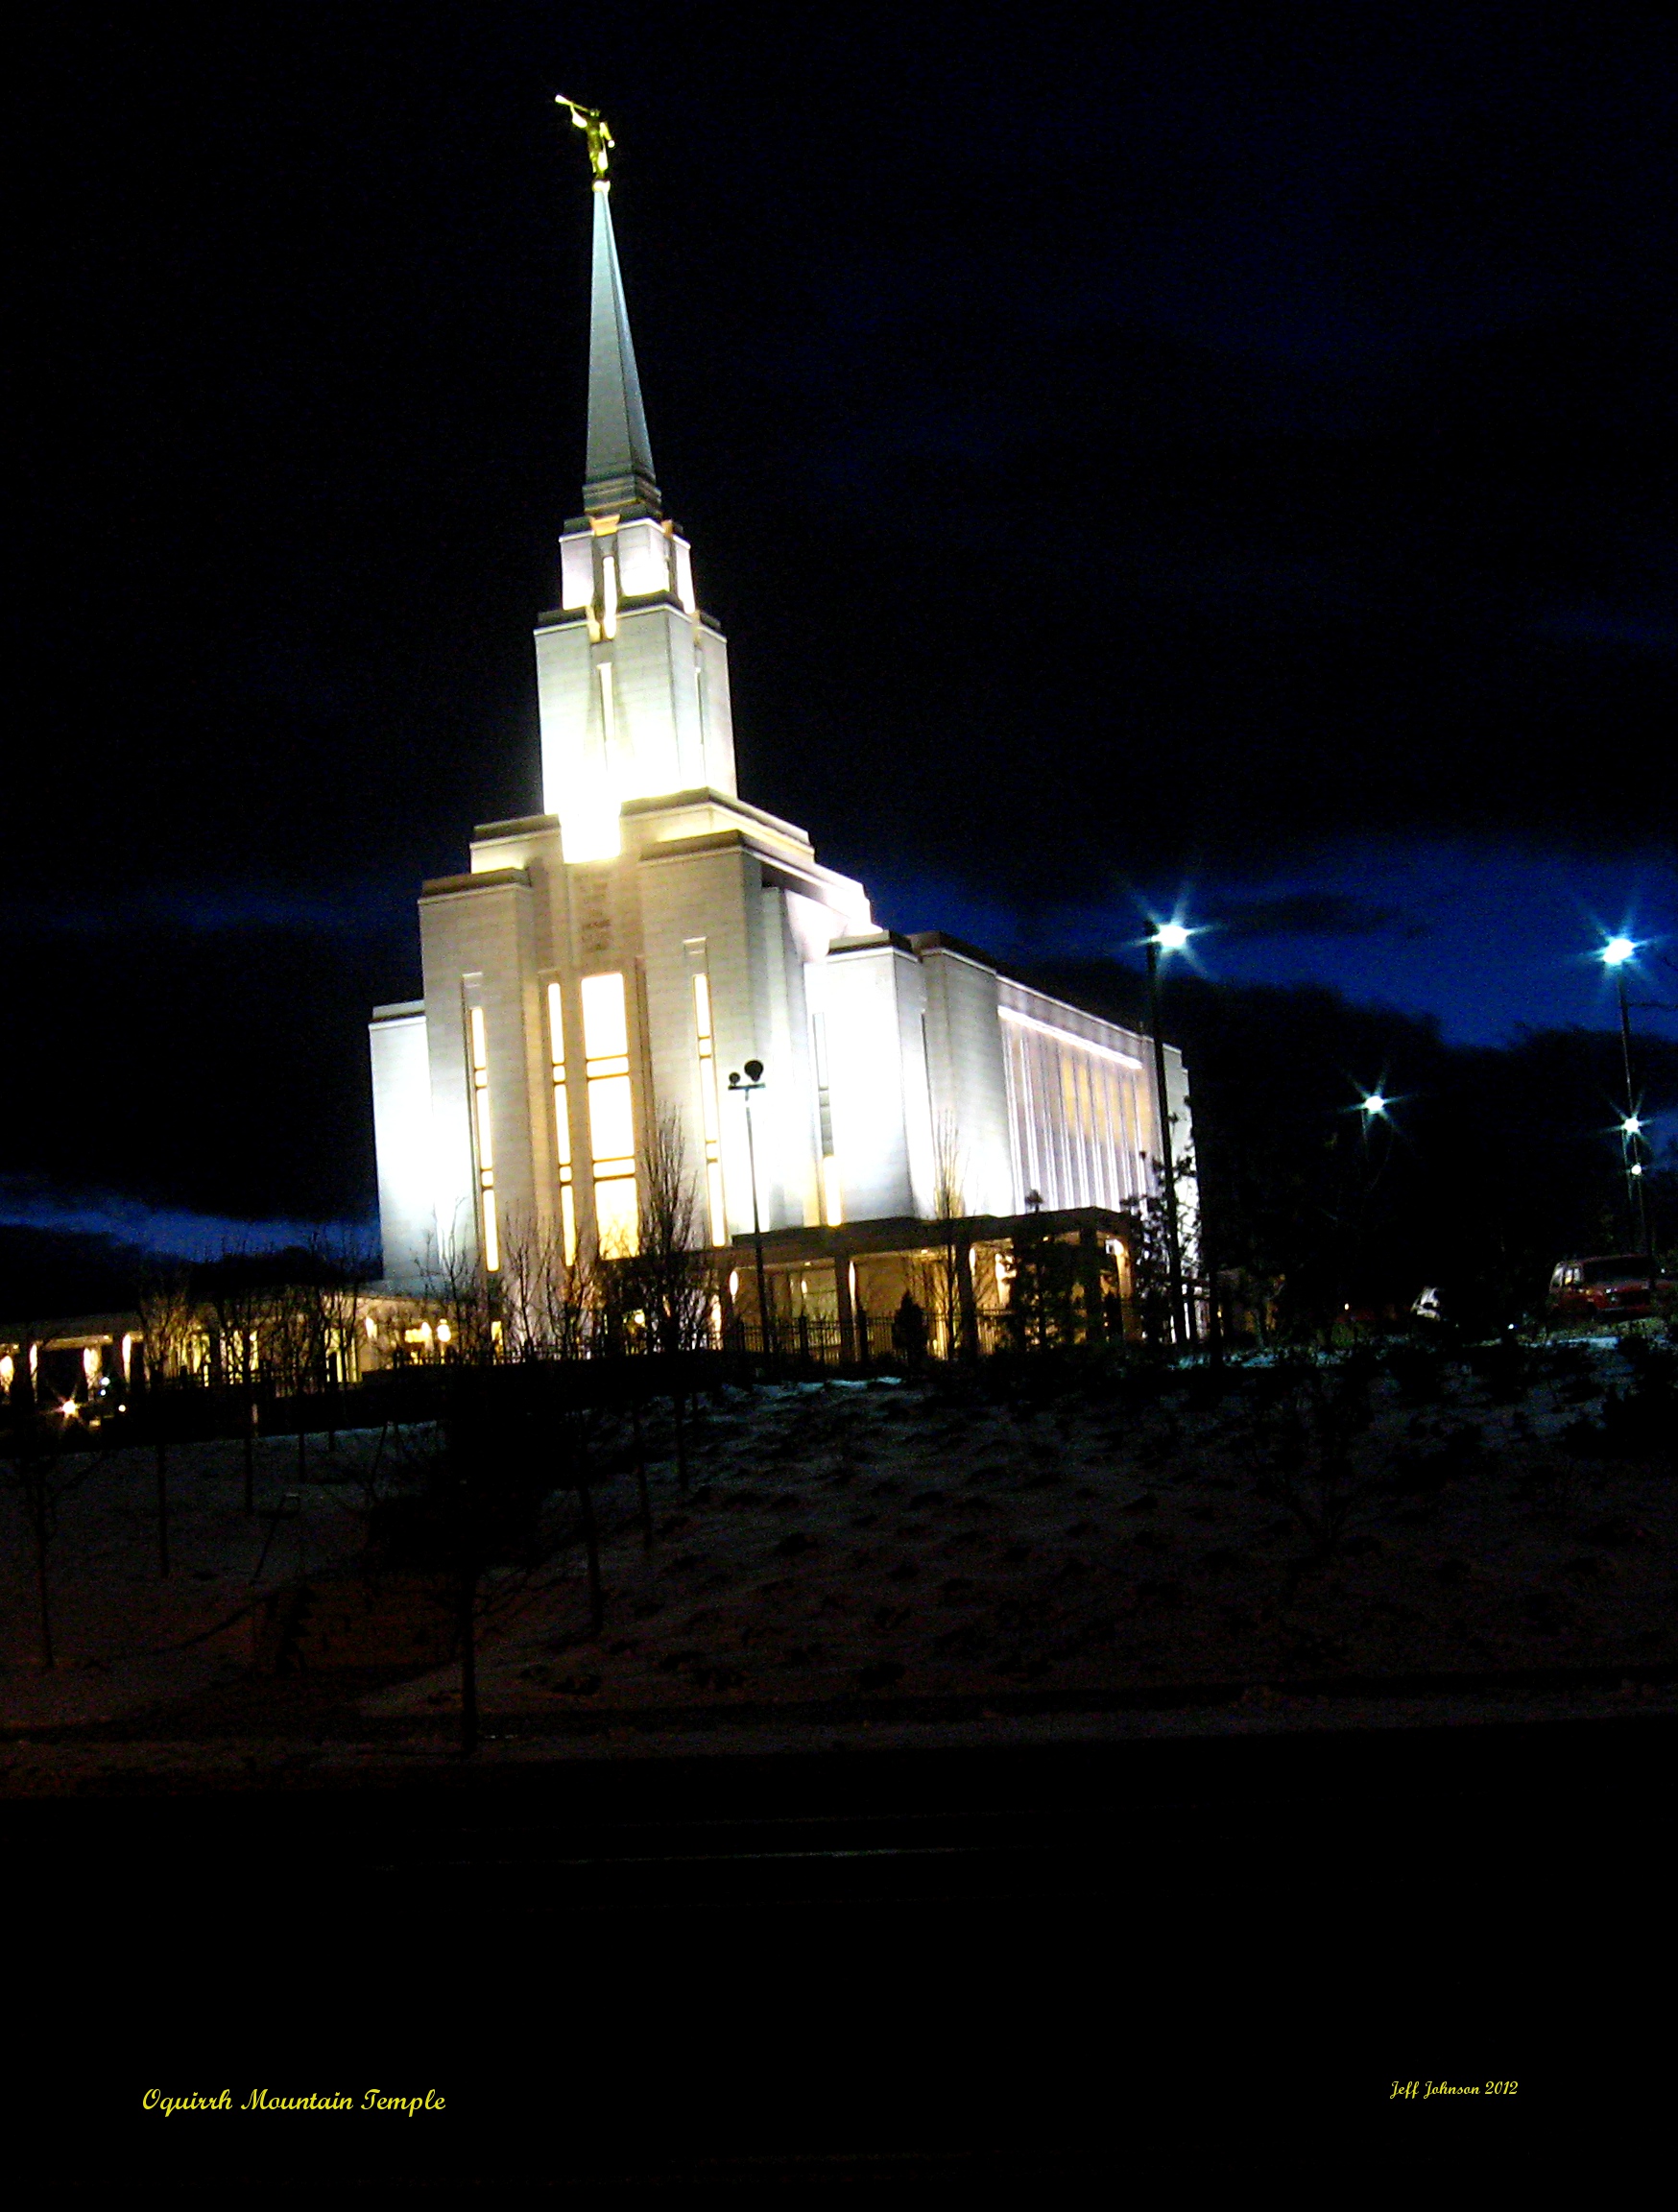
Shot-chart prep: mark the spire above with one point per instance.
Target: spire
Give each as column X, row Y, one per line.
column 620, row 456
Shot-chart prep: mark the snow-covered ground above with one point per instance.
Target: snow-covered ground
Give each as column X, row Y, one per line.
column 919, row 1555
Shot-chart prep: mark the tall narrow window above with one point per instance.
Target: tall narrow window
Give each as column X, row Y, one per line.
column 482, row 1123
column 563, row 1123
column 611, row 1115
column 607, row 709
column 707, row 1106
column 831, row 1210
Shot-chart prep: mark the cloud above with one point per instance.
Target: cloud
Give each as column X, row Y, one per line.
column 1602, row 626
column 1316, row 914
column 357, row 910
column 168, row 1232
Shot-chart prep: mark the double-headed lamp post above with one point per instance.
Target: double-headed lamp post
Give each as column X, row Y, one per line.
column 743, row 1087
column 1168, row 937
column 1614, row 955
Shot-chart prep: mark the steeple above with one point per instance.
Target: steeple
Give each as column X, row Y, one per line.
column 621, row 455
column 633, row 679
column 619, row 474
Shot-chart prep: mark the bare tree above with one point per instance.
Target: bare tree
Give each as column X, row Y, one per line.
column 940, row 1282
column 669, row 1273
column 236, row 1298
column 669, row 1278
column 35, row 1461
column 469, row 1302
column 338, row 1273
column 1302, row 1444
column 168, row 1323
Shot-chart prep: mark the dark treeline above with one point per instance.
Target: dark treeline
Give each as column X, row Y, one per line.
column 1494, row 1162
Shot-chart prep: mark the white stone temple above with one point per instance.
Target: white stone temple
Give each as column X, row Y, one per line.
column 608, row 962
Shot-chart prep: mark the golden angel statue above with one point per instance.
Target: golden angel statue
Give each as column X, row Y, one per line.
column 600, row 139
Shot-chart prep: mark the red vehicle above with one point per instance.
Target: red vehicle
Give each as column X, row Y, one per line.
column 1620, row 1287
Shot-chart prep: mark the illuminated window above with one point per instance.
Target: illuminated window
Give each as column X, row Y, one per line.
column 616, row 1216
column 708, row 1101
column 483, row 1128
column 608, row 709
column 563, row 1123
column 611, row 1116
column 831, row 1211
column 609, row 595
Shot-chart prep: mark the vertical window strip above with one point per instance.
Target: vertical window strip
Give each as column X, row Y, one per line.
column 563, row 1123
column 831, row 1193
column 607, row 711
column 709, row 1116
column 484, row 1123
column 611, row 1133
column 1109, row 1122
column 1027, row 1122
column 1011, row 1079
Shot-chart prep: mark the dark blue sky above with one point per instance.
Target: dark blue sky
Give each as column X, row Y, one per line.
column 1220, row 455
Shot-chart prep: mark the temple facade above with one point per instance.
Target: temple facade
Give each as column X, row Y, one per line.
column 603, row 968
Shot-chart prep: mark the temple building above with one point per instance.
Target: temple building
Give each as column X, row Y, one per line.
column 604, row 967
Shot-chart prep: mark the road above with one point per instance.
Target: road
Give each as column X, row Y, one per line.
column 808, row 1977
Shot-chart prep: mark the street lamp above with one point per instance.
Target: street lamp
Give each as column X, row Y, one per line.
column 1614, row 955
column 1167, row 937
column 743, row 1088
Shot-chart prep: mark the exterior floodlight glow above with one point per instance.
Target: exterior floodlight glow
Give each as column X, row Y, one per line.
column 1631, row 1126
column 1171, row 937
column 1617, row 952
column 1374, row 1105
column 1637, row 1168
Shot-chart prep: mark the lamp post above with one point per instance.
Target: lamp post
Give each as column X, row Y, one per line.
column 1168, row 937
column 743, row 1088
column 1614, row 955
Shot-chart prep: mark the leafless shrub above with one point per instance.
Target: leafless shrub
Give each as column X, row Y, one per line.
column 170, row 1324
column 549, row 1305
column 1300, row 1443
column 669, row 1278
column 37, row 1464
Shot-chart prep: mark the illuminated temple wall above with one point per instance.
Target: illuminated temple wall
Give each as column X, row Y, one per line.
column 892, row 1063
column 608, row 963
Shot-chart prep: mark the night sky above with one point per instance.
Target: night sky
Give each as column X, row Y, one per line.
column 1215, row 459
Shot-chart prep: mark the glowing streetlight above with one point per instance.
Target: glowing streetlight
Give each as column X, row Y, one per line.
column 1614, row 955
column 1167, row 937
column 1373, row 1106
column 743, row 1088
